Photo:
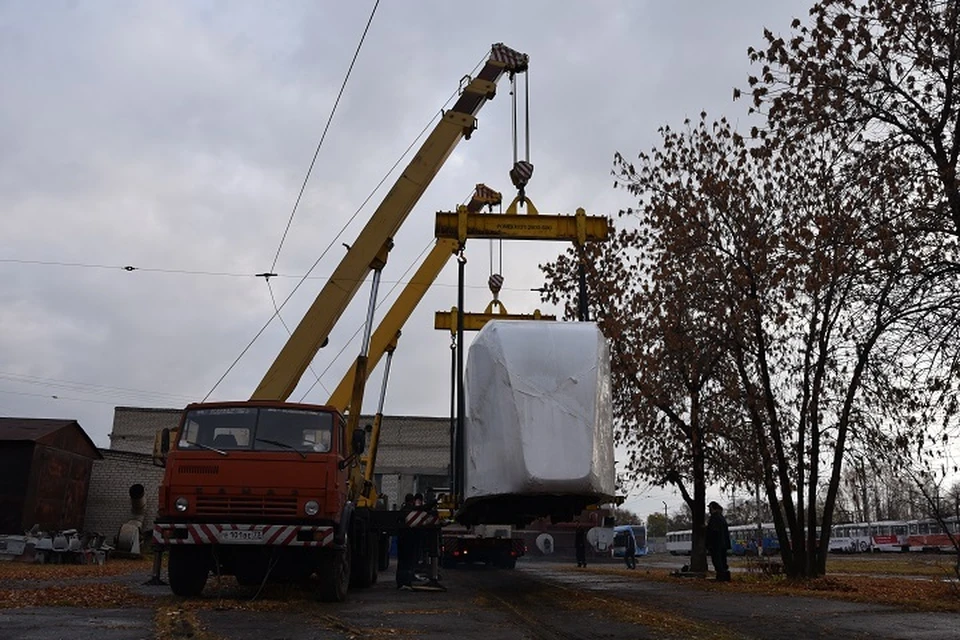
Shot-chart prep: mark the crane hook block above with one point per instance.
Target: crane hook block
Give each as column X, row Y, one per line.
column 521, row 173
column 495, row 282
column 512, row 61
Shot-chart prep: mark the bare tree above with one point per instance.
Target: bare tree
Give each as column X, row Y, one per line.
column 881, row 75
column 759, row 307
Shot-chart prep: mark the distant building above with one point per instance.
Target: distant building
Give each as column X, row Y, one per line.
column 128, row 462
column 134, row 428
column 414, row 455
column 45, row 470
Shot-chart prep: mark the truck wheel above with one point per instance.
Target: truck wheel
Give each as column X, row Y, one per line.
column 334, row 574
column 373, row 557
column 188, row 570
column 365, row 563
column 383, row 560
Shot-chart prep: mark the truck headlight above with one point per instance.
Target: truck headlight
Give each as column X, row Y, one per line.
column 181, row 504
column 311, row 508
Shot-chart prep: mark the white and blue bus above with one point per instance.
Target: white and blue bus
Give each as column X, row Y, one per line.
column 620, row 533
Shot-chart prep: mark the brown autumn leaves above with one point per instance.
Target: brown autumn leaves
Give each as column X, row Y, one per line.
column 782, row 299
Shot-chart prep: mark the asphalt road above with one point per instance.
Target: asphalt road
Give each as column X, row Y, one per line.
column 536, row 601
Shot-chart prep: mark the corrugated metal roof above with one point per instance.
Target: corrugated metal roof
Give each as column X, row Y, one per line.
column 41, row 430
column 30, row 428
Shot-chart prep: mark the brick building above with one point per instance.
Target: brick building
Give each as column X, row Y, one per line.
column 108, row 503
column 414, row 455
column 127, row 462
column 134, row 428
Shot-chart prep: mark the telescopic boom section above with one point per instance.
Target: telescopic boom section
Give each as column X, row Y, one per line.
column 460, row 121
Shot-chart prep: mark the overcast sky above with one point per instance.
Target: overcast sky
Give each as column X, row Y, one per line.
column 174, row 136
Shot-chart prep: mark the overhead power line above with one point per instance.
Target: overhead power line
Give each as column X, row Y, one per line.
column 90, row 389
column 219, row 274
column 55, row 397
column 323, row 136
column 336, row 238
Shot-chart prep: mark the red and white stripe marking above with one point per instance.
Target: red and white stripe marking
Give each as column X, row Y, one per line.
column 421, row 519
column 514, row 60
column 266, row 534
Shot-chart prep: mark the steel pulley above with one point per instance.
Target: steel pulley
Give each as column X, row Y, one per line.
column 495, row 282
column 520, row 175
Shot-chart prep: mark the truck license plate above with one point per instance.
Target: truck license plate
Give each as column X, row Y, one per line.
column 236, row 536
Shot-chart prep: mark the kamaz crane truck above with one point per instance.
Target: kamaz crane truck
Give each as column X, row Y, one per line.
column 265, row 489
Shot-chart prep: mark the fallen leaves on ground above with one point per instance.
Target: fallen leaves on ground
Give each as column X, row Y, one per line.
column 922, row 595
column 30, row 571
column 907, row 593
column 546, row 597
column 173, row 623
column 89, row 596
column 908, row 564
column 668, row 623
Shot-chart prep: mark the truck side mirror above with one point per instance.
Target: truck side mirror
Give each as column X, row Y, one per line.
column 161, row 447
column 359, row 441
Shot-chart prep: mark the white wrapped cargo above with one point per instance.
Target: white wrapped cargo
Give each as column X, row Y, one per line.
column 539, row 415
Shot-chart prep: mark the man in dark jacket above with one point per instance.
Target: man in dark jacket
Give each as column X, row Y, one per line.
column 718, row 541
column 630, row 551
column 580, row 544
column 406, row 548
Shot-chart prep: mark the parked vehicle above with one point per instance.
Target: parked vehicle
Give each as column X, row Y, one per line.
column 929, row 535
column 269, row 489
column 746, row 540
column 620, row 534
column 679, row 543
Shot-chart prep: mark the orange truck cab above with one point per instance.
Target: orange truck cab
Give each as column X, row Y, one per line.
column 259, row 489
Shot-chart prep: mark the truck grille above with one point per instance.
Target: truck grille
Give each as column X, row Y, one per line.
column 205, row 469
column 246, row 505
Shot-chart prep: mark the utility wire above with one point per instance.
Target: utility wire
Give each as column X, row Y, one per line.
column 193, row 272
column 323, row 136
column 273, row 299
column 360, row 328
column 379, row 303
column 56, row 397
column 88, row 388
column 343, row 229
column 306, row 178
column 127, row 268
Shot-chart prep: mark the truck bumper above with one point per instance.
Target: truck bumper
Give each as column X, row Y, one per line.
column 243, row 534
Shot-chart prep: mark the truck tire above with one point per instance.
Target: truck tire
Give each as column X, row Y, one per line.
column 334, row 574
column 374, row 557
column 365, row 562
column 383, row 553
column 188, row 569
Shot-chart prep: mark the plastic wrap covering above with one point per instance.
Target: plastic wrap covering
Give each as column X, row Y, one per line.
column 539, row 416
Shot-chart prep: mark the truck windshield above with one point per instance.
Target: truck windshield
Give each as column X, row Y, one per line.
column 257, row 428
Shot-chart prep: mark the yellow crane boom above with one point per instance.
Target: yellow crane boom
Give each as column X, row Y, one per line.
column 460, row 121
column 409, row 298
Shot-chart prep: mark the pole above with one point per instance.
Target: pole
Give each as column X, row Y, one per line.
column 461, row 401
column 666, row 519
column 582, row 312
column 759, row 524
column 453, row 416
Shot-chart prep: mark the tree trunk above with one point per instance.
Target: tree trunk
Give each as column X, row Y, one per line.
column 698, row 557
